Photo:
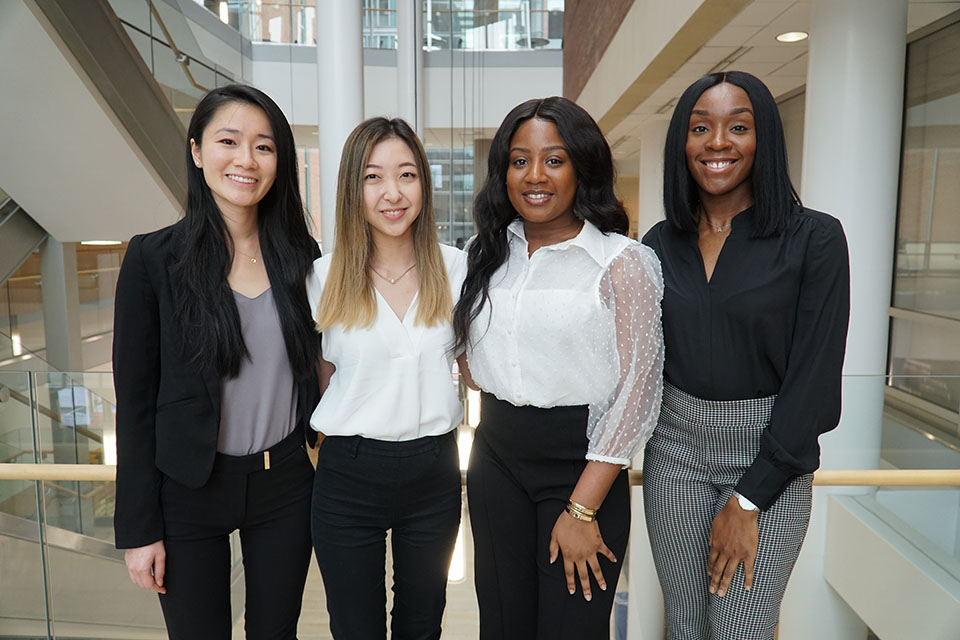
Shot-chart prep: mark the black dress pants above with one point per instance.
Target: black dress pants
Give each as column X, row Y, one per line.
column 363, row 488
column 524, row 465
column 271, row 508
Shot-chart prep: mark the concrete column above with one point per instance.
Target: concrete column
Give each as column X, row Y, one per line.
column 61, row 324
column 851, row 156
column 653, row 137
column 645, row 618
column 61, row 305
column 410, row 63
column 340, row 91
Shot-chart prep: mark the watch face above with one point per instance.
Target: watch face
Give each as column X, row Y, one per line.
column 745, row 504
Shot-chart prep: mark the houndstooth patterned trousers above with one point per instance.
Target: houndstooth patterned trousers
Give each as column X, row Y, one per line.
column 697, row 454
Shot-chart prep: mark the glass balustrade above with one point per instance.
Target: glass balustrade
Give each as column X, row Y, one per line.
column 61, row 527
column 447, row 24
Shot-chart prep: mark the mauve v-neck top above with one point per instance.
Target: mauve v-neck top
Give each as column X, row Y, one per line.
column 258, row 408
column 772, row 320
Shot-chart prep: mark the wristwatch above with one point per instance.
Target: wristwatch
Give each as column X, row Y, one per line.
column 744, row 503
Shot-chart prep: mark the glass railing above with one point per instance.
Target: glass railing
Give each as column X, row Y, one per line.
column 58, row 420
column 63, row 577
column 524, row 25
column 22, row 325
column 167, row 45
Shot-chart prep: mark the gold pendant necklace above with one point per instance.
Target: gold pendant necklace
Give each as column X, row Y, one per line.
column 253, row 259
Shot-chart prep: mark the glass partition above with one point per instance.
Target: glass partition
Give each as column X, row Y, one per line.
column 447, row 24
column 155, row 28
column 22, row 326
column 925, row 328
column 67, row 567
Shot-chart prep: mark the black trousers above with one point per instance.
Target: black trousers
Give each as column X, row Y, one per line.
column 363, row 488
column 271, row 508
column 524, row 464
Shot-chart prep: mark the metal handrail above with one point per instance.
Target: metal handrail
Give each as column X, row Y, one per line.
column 822, row 477
column 179, row 55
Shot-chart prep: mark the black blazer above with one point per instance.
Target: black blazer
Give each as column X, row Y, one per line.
column 168, row 413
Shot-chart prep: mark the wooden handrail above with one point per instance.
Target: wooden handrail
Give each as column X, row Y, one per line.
column 823, row 477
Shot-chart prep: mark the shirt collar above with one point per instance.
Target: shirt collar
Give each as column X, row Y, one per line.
column 590, row 239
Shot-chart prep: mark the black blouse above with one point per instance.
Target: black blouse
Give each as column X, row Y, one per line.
column 771, row 320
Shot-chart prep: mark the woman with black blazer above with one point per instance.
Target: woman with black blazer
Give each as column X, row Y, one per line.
column 214, row 366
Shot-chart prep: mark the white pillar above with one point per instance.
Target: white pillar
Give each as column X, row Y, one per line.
column 61, row 305
column 645, row 616
column 410, row 63
column 653, row 137
column 851, row 156
column 340, row 92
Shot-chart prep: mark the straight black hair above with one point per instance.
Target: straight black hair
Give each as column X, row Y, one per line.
column 593, row 201
column 774, row 198
column 209, row 322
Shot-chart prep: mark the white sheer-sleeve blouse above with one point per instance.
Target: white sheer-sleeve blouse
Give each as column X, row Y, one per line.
column 577, row 323
column 393, row 380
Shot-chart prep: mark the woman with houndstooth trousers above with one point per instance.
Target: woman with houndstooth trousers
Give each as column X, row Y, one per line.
column 755, row 314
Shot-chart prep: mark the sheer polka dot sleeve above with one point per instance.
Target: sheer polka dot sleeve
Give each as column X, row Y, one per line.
column 620, row 424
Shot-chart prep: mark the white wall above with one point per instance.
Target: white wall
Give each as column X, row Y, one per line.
column 467, row 97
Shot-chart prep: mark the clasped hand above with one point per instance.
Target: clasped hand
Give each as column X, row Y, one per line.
column 733, row 539
column 579, row 543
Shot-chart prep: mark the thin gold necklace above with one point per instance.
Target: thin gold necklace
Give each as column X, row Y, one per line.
column 253, row 259
column 393, row 280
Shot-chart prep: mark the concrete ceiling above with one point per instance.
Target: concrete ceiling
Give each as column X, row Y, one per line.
column 747, row 42
column 65, row 157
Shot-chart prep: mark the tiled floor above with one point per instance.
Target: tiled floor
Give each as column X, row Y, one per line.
column 460, row 620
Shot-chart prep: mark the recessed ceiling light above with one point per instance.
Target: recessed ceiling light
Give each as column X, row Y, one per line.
column 793, row 36
column 100, row 243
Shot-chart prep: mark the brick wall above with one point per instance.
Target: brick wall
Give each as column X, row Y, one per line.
column 588, row 28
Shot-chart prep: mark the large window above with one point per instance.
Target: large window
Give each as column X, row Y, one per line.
column 476, row 25
column 925, row 337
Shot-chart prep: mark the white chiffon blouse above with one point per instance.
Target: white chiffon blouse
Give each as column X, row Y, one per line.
column 393, row 379
column 577, row 323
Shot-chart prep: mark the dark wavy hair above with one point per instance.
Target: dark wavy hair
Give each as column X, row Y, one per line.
column 594, row 200
column 774, row 198
column 209, row 322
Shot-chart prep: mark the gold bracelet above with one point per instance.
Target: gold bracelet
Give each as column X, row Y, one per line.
column 579, row 515
column 582, row 509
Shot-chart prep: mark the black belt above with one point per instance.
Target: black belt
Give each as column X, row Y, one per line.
column 262, row 460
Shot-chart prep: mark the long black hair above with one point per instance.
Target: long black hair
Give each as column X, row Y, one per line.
column 209, row 322
column 774, row 198
column 594, row 200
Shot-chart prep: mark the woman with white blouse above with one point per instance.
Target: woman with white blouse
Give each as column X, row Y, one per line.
column 560, row 317
column 389, row 460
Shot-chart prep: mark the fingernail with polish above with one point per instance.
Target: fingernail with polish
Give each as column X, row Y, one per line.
column 587, row 597
column 603, row 586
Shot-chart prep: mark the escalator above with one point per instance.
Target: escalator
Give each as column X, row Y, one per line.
column 20, row 236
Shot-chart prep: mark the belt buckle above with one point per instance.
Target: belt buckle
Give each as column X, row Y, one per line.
column 266, row 460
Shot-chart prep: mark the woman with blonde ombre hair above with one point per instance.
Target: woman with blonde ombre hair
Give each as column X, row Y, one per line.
column 383, row 302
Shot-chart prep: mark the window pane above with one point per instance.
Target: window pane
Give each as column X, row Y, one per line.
column 928, row 240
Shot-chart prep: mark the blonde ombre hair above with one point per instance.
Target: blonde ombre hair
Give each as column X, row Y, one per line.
column 348, row 297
